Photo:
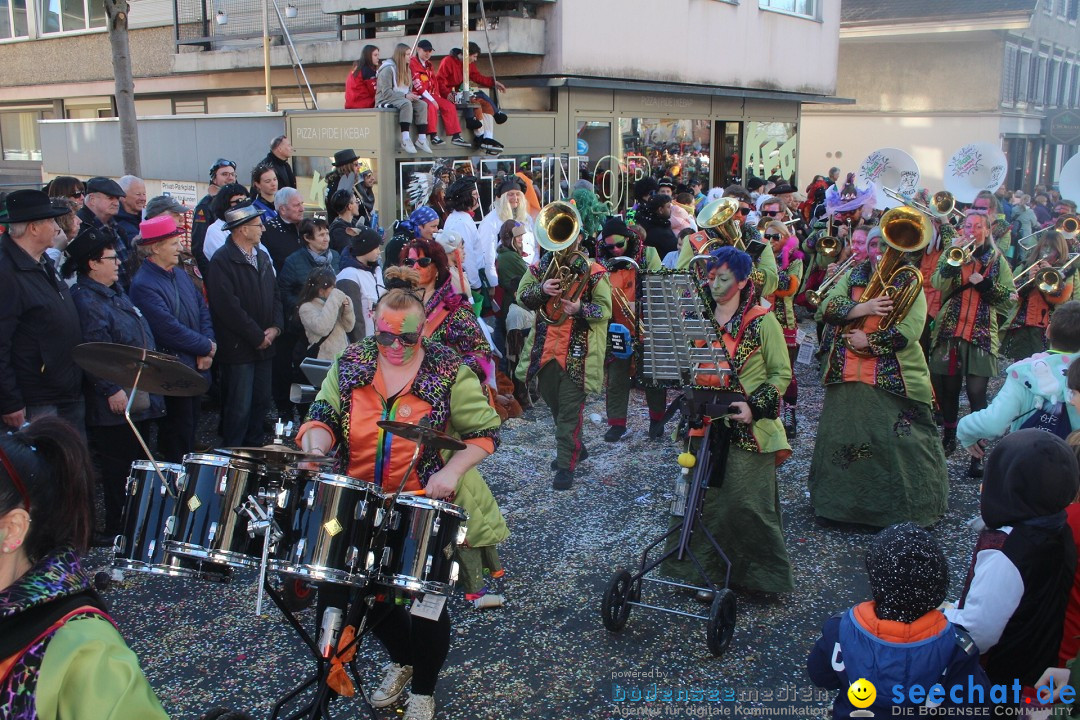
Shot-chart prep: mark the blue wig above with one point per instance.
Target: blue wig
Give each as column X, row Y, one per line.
column 736, row 260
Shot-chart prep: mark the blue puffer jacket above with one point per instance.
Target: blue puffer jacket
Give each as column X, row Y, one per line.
column 107, row 315
column 176, row 311
column 1036, row 383
column 936, row 652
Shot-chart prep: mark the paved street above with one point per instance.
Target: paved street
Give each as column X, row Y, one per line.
column 546, row 653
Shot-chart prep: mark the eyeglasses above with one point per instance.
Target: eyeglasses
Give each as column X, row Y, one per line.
column 114, row 258
column 772, row 236
column 418, row 262
column 386, row 339
column 620, row 244
column 980, row 208
column 744, row 211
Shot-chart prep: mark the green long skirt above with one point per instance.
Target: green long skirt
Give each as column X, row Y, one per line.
column 878, row 459
column 1023, row 342
column 744, row 517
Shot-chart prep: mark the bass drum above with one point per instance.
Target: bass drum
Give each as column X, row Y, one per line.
column 210, row 490
column 330, row 527
column 422, row 537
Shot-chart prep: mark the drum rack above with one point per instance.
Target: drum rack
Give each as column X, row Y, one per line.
column 678, row 345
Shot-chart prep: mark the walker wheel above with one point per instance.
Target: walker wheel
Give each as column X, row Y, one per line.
column 614, row 609
column 721, row 625
column 296, row 594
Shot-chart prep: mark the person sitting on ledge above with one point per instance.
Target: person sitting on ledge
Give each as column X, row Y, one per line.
column 448, row 81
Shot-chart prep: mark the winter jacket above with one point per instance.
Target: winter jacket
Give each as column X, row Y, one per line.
column 121, row 242
column 658, row 232
column 360, row 91
column 244, row 302
column 128, row 223
column 452, row 73
column 386, row 88
column 511, row 268
column 39, row 327
column 340, row 239
column 107, row 315
column 930, row 651
column 201, row 219
column 281, row 239
column 294, row 274
column 1036, row 383
column 176, row 312
column 332, row 318
column 363, row 287
column 282, row 168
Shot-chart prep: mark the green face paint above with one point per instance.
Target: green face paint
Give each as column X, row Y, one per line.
column 399, row 322
column 723, row 284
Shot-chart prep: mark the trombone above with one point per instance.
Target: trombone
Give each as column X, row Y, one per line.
column 816, row 296
column 942, row 205
column 1049, row 281
column 1067, row 225
column 624, row 303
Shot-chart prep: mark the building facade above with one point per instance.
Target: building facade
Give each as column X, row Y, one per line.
column 651, row 84
column 928, row 77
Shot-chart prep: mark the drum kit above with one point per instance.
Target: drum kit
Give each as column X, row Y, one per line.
column 276, row 509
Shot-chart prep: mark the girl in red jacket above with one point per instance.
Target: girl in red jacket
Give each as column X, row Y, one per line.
column 360, row 85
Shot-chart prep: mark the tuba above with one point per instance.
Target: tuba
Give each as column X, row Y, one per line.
column 719, row 217
column 557, row 229
column 904, row 230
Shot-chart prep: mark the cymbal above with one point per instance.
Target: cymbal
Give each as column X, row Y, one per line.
column 161, row 374
column 276, row 454
column 421, row 434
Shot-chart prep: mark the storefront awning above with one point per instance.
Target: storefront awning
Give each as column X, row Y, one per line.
column 595, row 83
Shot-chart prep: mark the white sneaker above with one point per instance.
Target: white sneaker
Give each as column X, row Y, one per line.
column 407, row 146
column 421, row 707
column 422, row 144
column 393, row 684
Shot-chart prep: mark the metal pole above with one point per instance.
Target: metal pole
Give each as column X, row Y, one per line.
column 465, row 46
column 266, row 55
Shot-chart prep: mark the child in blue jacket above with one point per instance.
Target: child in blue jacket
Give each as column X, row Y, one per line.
column 899, row 639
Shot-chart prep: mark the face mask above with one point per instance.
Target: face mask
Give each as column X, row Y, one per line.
column 398, row 322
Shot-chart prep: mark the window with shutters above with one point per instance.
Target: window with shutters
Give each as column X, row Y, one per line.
column 1038, row 81
column 1008, row 74
column 1022, row 83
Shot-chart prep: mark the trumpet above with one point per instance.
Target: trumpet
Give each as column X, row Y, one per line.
column 816, row 296
column 960, row 255
column 1067, row 225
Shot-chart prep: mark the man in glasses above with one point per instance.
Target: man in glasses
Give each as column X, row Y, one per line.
column 618, row 243
column 245, row 306
column 222, row 173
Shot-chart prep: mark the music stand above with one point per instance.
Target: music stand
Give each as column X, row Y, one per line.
column 679, row 347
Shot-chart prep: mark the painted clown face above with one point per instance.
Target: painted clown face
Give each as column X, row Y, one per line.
column 723, row 285
column 398, row 333
column 428, row 272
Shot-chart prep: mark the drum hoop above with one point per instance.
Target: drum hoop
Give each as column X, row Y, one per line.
column 208, row 459
column 427, row 503
column 165, row 467
column 345, row 481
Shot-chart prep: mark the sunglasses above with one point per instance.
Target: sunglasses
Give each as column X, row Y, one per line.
column 76, row 194
column 620, row 244
column 386, row 339
column 770, row 213
column 744, row 211
column 772, row 236
column 418, row 262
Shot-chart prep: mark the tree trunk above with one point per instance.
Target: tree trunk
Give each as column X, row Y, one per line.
column 116, row 11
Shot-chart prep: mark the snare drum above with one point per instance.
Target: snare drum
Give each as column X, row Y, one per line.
column 148, row 522
column 208, row 527
column 331, row 524
column 422, row 536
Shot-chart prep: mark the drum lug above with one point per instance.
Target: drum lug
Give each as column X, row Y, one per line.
column 461, row 533
column 351, row 557
column 435, row 524
column 223, row 483
column 387, row 556
column 393, row 520
column 170, row 526
column 311, row 499
column 150, row 549
column 360, row 511
column 300, row 545
column 379, row 516
column 454, row 569
column 213, row 532
column 181, row 482
column 283, row 499
column 131, row 487
column 427, row 567
column 370, row 560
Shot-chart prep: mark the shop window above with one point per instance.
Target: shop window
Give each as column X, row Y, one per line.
column 679, row 148
column 311, row 172
column 802, row 8
column 729, row 161
column 64, row 16
column 771, row 149
column 19, row 134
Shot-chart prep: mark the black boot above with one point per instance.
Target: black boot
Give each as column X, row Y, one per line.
column 975, row 468
column 948, row 440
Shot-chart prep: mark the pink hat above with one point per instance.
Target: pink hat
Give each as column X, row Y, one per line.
column 157, row 229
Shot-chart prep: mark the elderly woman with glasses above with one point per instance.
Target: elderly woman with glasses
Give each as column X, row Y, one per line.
column 450, row 319
column 402, row 375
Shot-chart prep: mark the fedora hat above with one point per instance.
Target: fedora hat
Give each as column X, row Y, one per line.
column 156, row 229
column 30, row 205
column 344, row 157
column 241, row 215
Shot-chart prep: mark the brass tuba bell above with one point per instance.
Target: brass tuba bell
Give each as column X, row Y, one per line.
column 557, row 228
column 719, row 216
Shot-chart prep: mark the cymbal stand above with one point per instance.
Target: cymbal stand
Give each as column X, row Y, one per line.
column 261, row 522
column 138, row 435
